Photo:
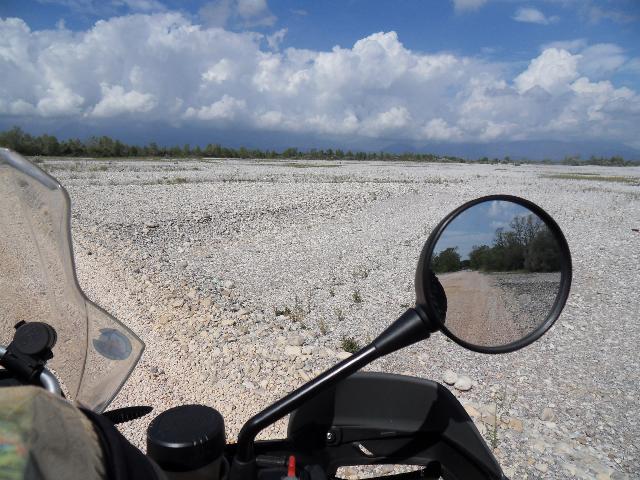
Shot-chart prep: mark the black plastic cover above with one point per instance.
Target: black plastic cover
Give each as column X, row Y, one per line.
column 186, row 438
column 379, row 418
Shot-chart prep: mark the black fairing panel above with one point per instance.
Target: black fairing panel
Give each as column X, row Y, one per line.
column 398, row 420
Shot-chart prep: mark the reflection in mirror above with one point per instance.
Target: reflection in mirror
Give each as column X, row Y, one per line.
column 500, row 267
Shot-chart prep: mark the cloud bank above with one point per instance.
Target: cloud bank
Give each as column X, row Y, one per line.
column 164, row 68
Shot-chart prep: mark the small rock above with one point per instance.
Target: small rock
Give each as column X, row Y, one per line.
column 228, row 284
column 295, row 340
column 206, row 302
column 472, row 411
column 342, row 355
column 177, row 303
column 386, row 469
column 463, row 383
column 516, row 424
column 542, row 467
column 547, row 415
column 292, row 350
column 489, row 419
column 570, row 468
column 450, row 377
column 227, row 322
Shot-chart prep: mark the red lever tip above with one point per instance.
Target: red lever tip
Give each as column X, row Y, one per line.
column 291, row 471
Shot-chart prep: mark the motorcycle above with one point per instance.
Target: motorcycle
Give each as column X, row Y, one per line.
column 493, row 276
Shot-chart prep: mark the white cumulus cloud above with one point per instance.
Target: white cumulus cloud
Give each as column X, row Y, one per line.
column 533, row 15
column 552, row 70
column 115, row 101
column 164, row 68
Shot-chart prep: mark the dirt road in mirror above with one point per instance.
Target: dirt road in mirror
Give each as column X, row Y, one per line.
column 476, row 310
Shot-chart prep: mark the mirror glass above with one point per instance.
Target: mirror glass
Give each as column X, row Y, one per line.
column 499, row 266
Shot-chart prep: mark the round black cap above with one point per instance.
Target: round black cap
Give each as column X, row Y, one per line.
column 186, row 438
column 34, row 338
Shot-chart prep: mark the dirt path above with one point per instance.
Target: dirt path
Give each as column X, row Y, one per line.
column 476, row 309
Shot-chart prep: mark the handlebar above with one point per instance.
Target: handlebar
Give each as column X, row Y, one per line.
column 47, row 380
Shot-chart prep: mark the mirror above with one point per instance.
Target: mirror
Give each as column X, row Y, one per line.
column 495, row 274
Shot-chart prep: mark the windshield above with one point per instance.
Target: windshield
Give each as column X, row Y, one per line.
column 95, row 353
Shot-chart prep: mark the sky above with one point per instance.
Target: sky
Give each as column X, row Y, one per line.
column 539, row 78
column 477, row 226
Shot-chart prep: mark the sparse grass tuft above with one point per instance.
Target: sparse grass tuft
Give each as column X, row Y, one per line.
column 361, row 272
column 177, row 181
column 339, row 314
column 295, row 313
column 503, row 402
column 594, row 177
column 349, row 344
column 322, row 325
column 357, row 298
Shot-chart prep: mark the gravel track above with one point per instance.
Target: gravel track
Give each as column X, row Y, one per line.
column 242, row 278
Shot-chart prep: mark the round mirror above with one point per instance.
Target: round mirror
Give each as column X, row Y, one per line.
column 495, row 274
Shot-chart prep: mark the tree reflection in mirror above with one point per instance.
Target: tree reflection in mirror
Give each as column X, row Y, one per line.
column 500, row 267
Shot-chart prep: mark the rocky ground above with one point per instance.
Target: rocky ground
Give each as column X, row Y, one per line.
column 529, row 297
column 244, row 279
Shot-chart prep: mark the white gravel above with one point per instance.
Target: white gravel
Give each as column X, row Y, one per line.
column 243, row 277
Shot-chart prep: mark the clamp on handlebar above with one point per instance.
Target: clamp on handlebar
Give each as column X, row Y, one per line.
column 27, row 354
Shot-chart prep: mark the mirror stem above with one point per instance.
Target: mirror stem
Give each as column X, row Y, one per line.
column 411, row 327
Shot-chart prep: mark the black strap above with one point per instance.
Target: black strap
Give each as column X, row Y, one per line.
column 122, row 460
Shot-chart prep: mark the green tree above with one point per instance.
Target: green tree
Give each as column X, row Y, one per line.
column 543, row 254
column 448, row 260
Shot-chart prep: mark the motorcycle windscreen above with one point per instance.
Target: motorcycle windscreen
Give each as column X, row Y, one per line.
column 95, row 353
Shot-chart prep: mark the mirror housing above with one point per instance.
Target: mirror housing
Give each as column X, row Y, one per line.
column 430, row 297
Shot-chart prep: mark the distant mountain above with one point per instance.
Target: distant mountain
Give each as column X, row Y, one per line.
column 162, row 134
column 530, row 149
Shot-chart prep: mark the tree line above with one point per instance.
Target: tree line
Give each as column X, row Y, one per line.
column 528, row 246
column 104, row 146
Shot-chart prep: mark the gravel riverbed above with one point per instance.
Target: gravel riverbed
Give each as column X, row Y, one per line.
column 243, row 278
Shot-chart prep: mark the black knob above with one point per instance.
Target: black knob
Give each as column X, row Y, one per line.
column 186, row 438
column 34, row 338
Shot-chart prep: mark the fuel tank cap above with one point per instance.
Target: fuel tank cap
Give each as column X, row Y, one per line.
column 186, row 438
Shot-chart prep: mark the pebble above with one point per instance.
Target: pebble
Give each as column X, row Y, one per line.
column 450, row 377
column 547, row 414
column 293, row 350
column 542, row 467
column 179, row 302
column 295, row 340
column 463, row 383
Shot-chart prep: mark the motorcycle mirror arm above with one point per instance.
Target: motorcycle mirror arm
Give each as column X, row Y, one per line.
column 412, row 326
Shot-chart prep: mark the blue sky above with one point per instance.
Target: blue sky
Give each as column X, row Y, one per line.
column 459, row 75
column 477, row 226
